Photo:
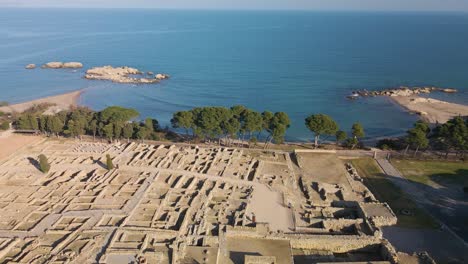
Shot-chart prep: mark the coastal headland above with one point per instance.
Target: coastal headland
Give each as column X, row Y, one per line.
column 430, row 110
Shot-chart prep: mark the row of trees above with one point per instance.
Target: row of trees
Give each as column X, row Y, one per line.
column 449, row 137
column 324, row 125
column 237, row 122
column 229, row 123
column 112, row 123
column 205, row 123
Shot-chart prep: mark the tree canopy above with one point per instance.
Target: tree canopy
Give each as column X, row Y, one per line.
column 341, row 136
column 358, row 130
column 228, row 123
column 183, row 119
column 117, row 113
column 417, row 138
column 452, row 135
column 321, row 124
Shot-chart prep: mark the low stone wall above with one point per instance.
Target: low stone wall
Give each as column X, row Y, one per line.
column 336, row 244
column 333, row 243
column 388, row 252
column 379, row 221
column 315, row 151
column 337, row 224
column 260, row 260
column 241, row 231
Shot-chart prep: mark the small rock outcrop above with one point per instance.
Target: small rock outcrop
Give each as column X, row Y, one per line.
column 60, row 65
column 73, row 65
column 449, row 90
column 30, row 66
column 121, row 75
column 53, row 65
column 161, row 76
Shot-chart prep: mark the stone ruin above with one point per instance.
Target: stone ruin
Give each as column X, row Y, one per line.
column 183, row 204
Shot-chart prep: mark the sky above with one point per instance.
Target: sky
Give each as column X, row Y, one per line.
column 379, row 5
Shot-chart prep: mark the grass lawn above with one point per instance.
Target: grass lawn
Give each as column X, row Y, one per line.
column 385, row 191
column 440, row 172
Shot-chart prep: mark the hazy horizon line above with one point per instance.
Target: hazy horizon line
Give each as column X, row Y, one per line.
column 241, row 9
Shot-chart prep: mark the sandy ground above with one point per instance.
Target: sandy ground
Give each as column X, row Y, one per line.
column 10, row 143
column 325, row 168
column 431, row 110
column 268, row 207
column 61, row 102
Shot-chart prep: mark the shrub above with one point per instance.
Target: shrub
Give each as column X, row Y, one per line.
column 389, row 144
column 109, row 163
column 4, row 103
column 351, row 142
column 5, row 125
column 44, row 165
column 253, row 140
column 155, row 136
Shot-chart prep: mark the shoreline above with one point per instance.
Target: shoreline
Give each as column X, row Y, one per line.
column 60, row 102
column 430, row 110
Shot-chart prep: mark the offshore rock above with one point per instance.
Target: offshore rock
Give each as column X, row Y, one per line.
column 161, row 76
column 119, row 75
column 53, row 65
column 72, row 65
column 60, row 65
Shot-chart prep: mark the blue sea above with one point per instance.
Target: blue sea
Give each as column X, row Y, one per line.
column 292, row 61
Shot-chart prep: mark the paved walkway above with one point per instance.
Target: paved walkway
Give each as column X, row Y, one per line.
column 388, row 168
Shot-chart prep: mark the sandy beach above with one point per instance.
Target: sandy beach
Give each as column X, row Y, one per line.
column 60, row 102
column 431, row 110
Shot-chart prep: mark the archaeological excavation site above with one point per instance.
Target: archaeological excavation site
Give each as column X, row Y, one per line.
column 188, row 204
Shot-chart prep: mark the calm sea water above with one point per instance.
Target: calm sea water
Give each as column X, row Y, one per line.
column 298, row 62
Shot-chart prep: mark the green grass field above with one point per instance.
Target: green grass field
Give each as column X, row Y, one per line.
column 440, row 172
column 385, row 191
